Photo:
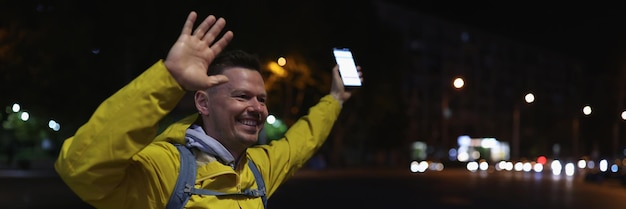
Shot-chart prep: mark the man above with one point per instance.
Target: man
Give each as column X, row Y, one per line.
column 116, row 160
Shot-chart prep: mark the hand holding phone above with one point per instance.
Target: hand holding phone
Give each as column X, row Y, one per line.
column 347, row 68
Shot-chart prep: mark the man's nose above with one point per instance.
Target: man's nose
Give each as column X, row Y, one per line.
column 256, row 106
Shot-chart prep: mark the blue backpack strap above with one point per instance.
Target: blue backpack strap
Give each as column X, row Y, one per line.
column 186, row 179
column 259, row 181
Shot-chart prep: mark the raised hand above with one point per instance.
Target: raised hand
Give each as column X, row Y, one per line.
column 189, row 58
column 337, row 89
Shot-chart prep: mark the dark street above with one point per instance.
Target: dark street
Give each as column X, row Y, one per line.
column 451, row 188
column 368, row 188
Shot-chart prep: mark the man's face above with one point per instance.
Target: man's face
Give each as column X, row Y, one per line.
column 237, row 109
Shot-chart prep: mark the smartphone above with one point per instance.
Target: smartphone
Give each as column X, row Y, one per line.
column 347, row 67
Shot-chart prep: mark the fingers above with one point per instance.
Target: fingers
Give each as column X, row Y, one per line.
column 216, row 80
column 337, row 81
column 336, row 73
column 191, row 18
column 209, row 30
column 215, row 28
column 207, row 24
column 358, row 68
column 219, row 45
column 214, row 31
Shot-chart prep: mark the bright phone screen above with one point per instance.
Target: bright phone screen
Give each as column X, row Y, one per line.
column 347, row 67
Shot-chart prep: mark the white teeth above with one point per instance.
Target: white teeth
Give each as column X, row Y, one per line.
column 249, row 122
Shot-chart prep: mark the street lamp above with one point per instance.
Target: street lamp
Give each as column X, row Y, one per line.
column 616, row 134
column 457, row 83
column 282, row 61
column 576, row 129
column 528, row 98
column 587, row 110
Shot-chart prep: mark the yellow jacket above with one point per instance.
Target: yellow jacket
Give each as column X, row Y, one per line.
column 116, row 160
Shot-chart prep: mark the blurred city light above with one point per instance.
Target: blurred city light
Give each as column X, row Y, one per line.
column 604, row 165
column 527, row 166
column 436, row 166
column 542, row 160
column 458, row 83
column 508, row 166
column 483, row 165
column 271, row 119
column 591, row 164
column 556, row 167
column 420, row 167
column 282, row 61
column 464, row 140
column 582, row 164
column 489, row 142
column 587, row 110
column 474, row 148
column 519, row 166
column 24, row 116
column 46, row 144
column 472, row 166
column 569, row 169
column 538, row 167
column 500, row 165
column 419, row 150
column 277, row 69
column 52, row 124
column 274, row 128
column 452, row 154
column 463, row 157
column 414, row 167
column 529, row 98
column 15, row 107
column 423, row 166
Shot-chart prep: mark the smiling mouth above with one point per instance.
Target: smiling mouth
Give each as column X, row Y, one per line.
column 249, row 122
column 250, row 126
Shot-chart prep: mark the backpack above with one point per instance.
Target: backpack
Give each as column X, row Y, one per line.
column 187, row 178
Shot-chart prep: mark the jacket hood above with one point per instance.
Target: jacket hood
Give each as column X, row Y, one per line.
column 175, row 133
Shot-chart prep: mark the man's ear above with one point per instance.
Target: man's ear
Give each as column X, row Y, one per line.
column 201, row 99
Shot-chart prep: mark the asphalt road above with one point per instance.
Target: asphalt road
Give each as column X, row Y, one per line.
column 379, row 188
column 451, row 188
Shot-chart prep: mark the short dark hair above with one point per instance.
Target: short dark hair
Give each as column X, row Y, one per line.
column 234, row 58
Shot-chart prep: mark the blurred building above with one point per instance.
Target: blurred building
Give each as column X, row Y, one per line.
column 497, row 71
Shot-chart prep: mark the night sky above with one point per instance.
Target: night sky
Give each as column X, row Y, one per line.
column 589, row 31
column 66, row 56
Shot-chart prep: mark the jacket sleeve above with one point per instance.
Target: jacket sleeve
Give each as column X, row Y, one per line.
column 93, row 161
column 285, row 156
